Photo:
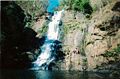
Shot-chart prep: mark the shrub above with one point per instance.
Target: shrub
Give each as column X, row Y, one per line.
column 78, row 5
column 115, row 52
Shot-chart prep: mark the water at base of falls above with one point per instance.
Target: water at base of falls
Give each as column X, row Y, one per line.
column 40, row 74
column 48, row 50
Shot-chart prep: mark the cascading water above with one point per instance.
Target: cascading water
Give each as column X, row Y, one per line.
column 48, row 49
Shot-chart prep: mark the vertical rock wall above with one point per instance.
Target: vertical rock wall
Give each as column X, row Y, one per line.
column 85, row 40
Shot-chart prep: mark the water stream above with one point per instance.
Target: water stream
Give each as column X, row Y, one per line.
column 48, row 49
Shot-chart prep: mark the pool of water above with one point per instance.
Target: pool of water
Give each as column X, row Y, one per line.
column 40, row 74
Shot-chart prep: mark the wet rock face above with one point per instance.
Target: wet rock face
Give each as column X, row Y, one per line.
column 16, row 39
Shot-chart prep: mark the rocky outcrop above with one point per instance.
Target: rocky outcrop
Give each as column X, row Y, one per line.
column 19, row 43
column 103, row 34
column 88, row 43
column 98, row 4
column 85, row 40
column 34, row 8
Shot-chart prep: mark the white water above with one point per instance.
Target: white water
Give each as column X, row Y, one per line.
column 53, row 33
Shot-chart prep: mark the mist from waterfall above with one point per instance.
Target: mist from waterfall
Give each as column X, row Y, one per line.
column 48, row 49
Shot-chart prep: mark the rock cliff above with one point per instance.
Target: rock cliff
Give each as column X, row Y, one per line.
column 86, row 40
column 89, row 41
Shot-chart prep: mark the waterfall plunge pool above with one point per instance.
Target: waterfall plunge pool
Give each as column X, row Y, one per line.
column 41, row 74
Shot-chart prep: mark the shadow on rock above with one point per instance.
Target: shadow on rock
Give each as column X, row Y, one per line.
column 19, row 44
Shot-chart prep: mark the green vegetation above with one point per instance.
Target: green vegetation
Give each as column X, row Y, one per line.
column 94, row 8
column 114, row 53
column 71, row 27
column 78, row 5
column 65, row 29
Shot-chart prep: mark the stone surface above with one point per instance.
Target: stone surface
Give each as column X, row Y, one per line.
column 92, row 37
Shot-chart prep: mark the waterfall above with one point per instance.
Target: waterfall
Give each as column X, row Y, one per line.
column 48, row 49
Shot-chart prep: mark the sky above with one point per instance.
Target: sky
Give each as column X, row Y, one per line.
column 52, row 4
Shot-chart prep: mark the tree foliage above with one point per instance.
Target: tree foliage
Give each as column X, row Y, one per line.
column 78, row 5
